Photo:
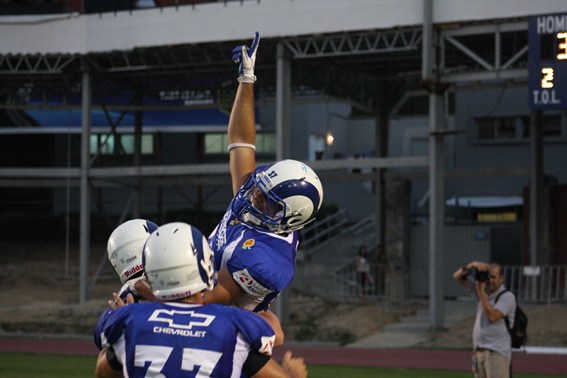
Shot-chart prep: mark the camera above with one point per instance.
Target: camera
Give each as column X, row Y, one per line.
column 479, row 275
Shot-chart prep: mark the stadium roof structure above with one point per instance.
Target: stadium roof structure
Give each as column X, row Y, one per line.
column 336, row 49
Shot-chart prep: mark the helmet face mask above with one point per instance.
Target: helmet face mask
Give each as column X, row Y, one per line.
column 178, row 261
column 292, row 196
column 125, row 246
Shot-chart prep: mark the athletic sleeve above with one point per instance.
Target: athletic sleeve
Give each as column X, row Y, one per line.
column 255, row 330
column 113, row 359
column 114, row 325
column 99, row 328
column 259, row 268
column 254, row 363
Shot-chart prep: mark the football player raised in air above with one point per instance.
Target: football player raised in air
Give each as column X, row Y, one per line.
column 256, row 241
column 179, row 336
column 124, row 248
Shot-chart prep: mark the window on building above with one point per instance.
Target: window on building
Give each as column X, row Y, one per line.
column 216, row 143
column 516, row 128
column 120, row 144
column 552, row 126
column 416, row 141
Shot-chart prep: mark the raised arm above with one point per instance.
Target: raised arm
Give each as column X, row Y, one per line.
column 460, row 275
column 242, row 124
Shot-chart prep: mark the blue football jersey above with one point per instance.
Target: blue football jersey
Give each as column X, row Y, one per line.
column 127, row 288
column 261, row 262
column 153, row 339
column 99, row 328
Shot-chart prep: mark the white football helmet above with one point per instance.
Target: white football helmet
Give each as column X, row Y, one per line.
column 125, row 246
column 178, row 261
column 289, row 186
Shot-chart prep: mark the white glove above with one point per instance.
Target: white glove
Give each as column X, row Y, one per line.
column 247, row 58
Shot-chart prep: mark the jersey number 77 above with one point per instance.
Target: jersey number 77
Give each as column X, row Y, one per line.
column 158, row 355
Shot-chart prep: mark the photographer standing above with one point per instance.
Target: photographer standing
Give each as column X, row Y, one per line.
column 491, row 340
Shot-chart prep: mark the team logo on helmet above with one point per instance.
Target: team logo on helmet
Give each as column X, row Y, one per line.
column 130, row 259
column 133, row 270
column 248, row 244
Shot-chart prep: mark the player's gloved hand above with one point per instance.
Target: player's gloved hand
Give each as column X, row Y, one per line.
column 144, row 290
column 247, row 58
column 132, row 285
column 119, row 302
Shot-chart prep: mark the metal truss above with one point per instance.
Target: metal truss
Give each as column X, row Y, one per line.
column 467, row 53
column 370, row 42
column 204, row 58
column 484, row 52
column 35, row 64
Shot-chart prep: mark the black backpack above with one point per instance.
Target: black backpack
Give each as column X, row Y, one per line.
column 518, row 333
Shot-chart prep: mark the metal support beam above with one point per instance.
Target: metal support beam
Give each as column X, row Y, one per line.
column 368, row 42
column 283, row 100
column 138, row 119
column 35, row 64
column 381, row 145
column 436, row 170
column 536, row 192
column 501, row 67
column 436, row 210
column 85, row 224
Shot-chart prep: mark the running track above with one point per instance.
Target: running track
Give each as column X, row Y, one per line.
column 455, row 360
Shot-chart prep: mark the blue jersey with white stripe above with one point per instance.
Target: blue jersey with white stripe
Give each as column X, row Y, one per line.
column 127, row 288
column 153, row 339
column 99, row 328
column 261, row 262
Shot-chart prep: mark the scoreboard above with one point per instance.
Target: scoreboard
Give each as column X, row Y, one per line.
column 547, row 61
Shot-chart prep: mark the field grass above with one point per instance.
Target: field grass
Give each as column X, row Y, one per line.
column 26, row 365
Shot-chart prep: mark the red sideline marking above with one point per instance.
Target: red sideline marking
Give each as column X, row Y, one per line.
column 441, row 359
column 48, row 346
column 389, row 358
